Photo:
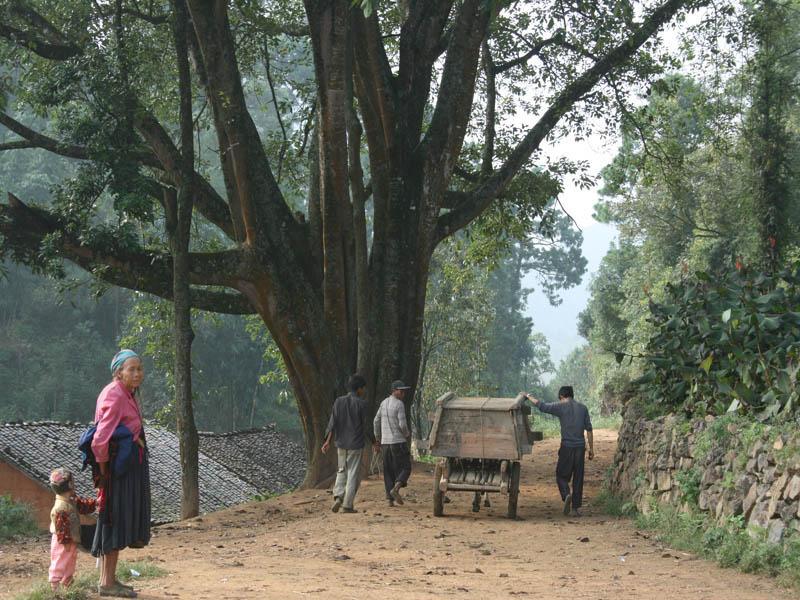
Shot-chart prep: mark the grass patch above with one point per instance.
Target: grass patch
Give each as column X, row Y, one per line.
column 16, row 519
column 145, row 568
column 730, row 545
column 85, row 584
column 614, row 505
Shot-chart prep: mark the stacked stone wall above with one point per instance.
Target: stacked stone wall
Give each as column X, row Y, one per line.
column 722, row 466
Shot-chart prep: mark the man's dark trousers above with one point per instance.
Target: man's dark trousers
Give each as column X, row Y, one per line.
column 396, row 465
column 570, row 466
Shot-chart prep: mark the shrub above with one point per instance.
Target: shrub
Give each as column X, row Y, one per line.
column 15, row 519
column 728, row 342
column 689, row 484
column 614, row 505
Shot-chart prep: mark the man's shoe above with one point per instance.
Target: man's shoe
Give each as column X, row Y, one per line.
column 576, row 513
column 337, row 503
column 390, row 501
column 396, row 493
column 567, row 504
column 349, row 510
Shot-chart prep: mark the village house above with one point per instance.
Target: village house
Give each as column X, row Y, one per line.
column 233, row 467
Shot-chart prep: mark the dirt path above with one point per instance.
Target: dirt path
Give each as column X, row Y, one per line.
column 294, row 547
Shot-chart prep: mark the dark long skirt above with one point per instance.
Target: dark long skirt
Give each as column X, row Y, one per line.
column 125, row 519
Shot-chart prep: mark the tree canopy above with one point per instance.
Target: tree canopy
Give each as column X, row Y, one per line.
column 412, row 120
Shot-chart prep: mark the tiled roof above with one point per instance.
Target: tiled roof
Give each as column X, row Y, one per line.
column 264, row 457
column 37, row 448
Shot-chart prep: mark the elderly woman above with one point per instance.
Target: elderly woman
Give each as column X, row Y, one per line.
column 123, row 485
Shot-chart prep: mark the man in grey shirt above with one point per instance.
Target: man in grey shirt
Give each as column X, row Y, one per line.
column 348, row 428
column 391, row 429
column 574, row 419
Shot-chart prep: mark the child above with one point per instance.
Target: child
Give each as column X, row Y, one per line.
column 65, row 525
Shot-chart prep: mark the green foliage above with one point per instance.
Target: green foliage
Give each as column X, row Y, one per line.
column 56, row 339
column 730, row 544
column 705, row 175
column 689, row 484
column 516, row 357
column 614, row 505
column 428, row 459
column 53, row 366
column 458, row 312
column 476, row 339
column 83, row 587
column 729, row 342
column 264, row 496
column 240, row 387
column 15, row 519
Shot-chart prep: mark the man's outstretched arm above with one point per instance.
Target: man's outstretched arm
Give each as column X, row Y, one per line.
column 552, row 408
column 590, row 437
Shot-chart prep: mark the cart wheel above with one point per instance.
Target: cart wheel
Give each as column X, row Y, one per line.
column 513, row 491
column 438, row 500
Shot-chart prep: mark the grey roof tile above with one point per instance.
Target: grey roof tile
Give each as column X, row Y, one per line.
column 270, row 462
column 264, row 457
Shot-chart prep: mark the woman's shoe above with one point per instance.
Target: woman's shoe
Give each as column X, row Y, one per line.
column 120, row 584
column 116, row 591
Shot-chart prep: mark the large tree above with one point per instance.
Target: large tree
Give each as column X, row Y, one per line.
column 422, row 90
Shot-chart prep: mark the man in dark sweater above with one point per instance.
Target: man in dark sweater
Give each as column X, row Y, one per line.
column 574, row 418
column 348, row 428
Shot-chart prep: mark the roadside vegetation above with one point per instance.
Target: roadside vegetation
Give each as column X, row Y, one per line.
column 16, row 519
column 84, row 585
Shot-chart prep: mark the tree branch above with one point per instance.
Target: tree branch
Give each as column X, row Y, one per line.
column 448, row 125
column 285, row 143
column 420, row 41
column 46, row 41
column 466, row 175
column 488, row 191
column 259, row 199
column 166, row 158
column 35, row 139
column 376, row 91
column 210, row 204
column 535, row 49
column 148, row 17
column 489, row 71
column 24, row 228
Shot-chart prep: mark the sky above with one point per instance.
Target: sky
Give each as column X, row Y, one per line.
column 560, row 323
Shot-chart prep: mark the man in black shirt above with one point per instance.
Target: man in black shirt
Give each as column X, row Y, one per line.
column 348, row 427
column 574, row 419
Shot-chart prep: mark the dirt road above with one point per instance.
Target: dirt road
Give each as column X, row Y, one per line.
column 294, row 547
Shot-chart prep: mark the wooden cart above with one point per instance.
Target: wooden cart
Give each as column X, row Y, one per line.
column 480, row 442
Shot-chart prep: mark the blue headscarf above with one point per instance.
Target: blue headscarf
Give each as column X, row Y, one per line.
column 120, row 358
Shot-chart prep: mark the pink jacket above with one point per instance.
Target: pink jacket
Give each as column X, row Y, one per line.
column 115, row 406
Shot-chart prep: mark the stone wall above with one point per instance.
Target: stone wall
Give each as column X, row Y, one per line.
column 726, row 467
